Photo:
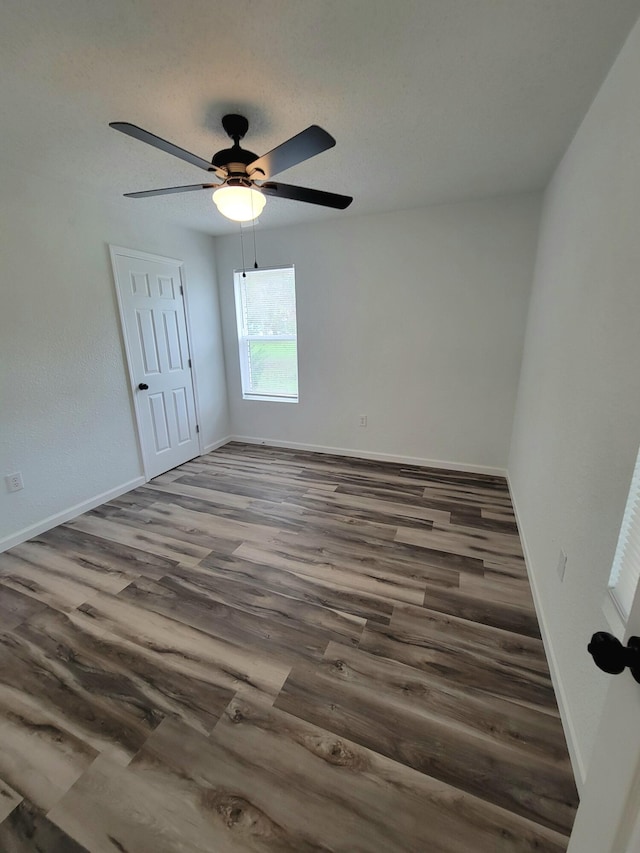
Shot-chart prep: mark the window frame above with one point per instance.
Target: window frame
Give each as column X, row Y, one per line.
column 625, row 570
column 245, row 339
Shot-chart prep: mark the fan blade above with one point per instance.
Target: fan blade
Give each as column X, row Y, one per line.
column 314, row 140
column 168, row 190
column 340, row 202
column 162, row 144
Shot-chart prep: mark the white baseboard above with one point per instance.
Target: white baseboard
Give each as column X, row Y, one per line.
column 216, row 444
column 575, row 753
column 68, row 514
column 369, row 454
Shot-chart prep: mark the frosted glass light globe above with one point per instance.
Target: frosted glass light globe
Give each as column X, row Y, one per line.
column 242, row 204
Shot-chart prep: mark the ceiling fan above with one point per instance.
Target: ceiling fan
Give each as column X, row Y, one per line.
column 245, row 177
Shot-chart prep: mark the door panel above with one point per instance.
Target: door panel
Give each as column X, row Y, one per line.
column 140, row 284
column 159, row 421
column 155, row 330
column 175, row 359
column 182, row 415
column 147, row 342
column 608, row 819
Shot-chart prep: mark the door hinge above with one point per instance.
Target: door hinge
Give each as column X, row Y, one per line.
column 181, row 290
column 189, row 362
column 197, row 428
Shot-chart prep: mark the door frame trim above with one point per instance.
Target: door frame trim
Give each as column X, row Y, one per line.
column 122, row 251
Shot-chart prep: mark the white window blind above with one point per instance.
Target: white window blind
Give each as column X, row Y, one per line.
column 625, row 572
column 267, row 333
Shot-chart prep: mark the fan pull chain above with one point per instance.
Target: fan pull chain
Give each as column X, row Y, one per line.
column 244, row 266
column 253, row 223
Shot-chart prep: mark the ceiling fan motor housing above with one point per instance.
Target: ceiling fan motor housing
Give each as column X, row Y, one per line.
column 235, row 160
column 236, row 156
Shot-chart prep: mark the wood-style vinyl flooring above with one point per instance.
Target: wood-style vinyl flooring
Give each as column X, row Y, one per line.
column 270, row 650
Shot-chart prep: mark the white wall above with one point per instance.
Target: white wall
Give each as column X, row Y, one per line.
column 66, row 418
column 577, row 425
column 414, row 318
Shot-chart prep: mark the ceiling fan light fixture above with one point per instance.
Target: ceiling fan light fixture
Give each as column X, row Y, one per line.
column 241, row 204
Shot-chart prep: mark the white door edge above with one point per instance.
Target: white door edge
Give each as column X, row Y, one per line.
column 194, row 375
column 120, row 251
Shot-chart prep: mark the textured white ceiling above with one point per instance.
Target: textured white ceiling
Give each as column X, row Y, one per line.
column 430, row 101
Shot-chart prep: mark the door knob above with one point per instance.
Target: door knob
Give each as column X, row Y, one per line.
column 611, row 656
column 143, row 386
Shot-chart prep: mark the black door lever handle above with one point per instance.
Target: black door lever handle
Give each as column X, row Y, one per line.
column 611, row 656
column 143, row 386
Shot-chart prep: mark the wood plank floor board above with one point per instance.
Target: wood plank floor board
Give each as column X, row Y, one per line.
column 50, row 588
column 486, row 610
column 405, row 493
column 104, row 554
column 66, row 702
column 285, row 638
column 28, row 830
column 380, row 508
column 317, row 533
column 515, row 569
column 279, row 606
column 504, row 513
column 346, row 477
column 178, row 523
column 108, row 693
column 376, row 582
column 474, row 518
column 138, row 498
column 356, row 554
column 312, row 590
column 461, row 665
column 274, row 650
column 249, row 488
column 330, row 696
column 9, row 799
column 470, row 513
column 145, row 808
column 197, row 494
column 156, row 543
column 187, row 651
column 465, row 495
column 499, row 587
column 372, row 523
column 409, row 559
column 517, row 726
column 206, row 528
column 470, row 541
column 288, row 478
column 39, row 759
column 88, row 578
column 15, row 606
column 510, row 648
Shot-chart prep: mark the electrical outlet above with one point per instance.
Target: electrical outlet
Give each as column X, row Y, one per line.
column 14, row 482
column 562, row 565
column 363, row 420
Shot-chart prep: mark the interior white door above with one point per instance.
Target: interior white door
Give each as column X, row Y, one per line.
column 151, row 300
column 608, row 819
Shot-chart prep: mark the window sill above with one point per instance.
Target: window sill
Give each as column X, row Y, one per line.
column 265, row 398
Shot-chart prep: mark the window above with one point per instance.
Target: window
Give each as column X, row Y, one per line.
column 266, row 315
column 625, row 572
